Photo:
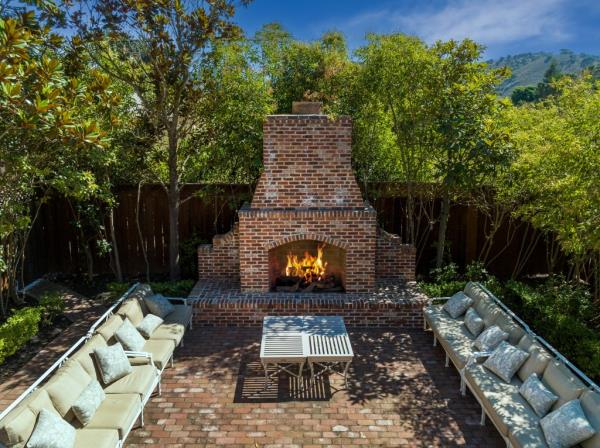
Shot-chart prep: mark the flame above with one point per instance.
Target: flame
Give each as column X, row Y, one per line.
column 311, row 268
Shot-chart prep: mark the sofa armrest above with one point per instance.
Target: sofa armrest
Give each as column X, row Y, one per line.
column 133, row 354
column 476, row 356
column 178, row 300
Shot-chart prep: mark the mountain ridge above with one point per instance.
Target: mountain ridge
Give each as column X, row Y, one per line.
column 528, row 68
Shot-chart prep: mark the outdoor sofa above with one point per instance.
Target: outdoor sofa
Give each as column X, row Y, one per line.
column 58, row 389
column 501, row 401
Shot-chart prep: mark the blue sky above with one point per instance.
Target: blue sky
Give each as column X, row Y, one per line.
column 504, row 26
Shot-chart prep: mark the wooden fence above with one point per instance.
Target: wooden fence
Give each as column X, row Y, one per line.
column 55, row 245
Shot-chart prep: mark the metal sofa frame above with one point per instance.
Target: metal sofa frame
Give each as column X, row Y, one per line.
column 80, row 342
column 476, row 355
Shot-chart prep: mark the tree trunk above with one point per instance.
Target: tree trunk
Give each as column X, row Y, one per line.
column 441, row 243
column 174, row 268
column 89, row 259
column 115, row 247
column 174, row 202
column 139, row 230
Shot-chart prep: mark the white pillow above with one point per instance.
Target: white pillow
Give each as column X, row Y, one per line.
column 567, row 426
column 112, row 363
column 129, row 337
column 539, row 397
column 490, row 338
column 148, row 324
column 506, row 360
column 51, row 431
column 458, row 304
column 88, row 402
column 159, row 305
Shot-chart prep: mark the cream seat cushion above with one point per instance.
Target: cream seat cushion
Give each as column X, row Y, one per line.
column 171, row 332
column 96, row 438
column 161, row 350
column 140, row 381
column 117, row 412
column 458, row 344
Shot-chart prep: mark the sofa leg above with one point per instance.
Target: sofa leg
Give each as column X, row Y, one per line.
column 434, row 341
column 447, row 360
column 172, row 356
column 482, row 422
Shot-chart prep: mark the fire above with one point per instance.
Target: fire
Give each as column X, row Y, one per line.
column 310, row 268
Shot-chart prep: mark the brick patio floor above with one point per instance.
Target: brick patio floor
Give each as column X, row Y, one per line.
column 399, row 394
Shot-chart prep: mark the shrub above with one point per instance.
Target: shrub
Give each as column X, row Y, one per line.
column 18, row 330
column 188, row 255
column 179, row 288
column 558, row 310
column 445, row 289
column 52, row 305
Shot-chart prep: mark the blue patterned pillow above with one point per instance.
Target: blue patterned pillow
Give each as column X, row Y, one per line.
column 567, row 426
column 88, row 402
column 159, row 305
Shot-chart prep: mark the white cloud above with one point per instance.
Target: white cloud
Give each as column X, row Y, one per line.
column 486, row 21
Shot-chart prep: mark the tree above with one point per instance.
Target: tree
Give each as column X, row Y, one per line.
column 470, row 144
column 154, row 47
column 393, row 114
column 522, row 95
column 312, row 71
column 554, row 177
column 49, row 134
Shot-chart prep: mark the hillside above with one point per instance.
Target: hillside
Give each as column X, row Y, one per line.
column 529, row 68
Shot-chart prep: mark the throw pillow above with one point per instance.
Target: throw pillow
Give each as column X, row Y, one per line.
column 567, row 426
column 88, row 402
column 473, row 322
column 159, row 305
column 112, row 363
column 537, row 395
column 149, row 324
column 51, row 431
column 129, row 337
column 506, row 360
column 458, row 304
column 490, row 338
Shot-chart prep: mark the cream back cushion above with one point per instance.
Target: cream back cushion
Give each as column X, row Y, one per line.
column 563, row 383
column 107, row 329
column 590, row 402
column 16, row 427
column 66, row 385
column 132, row 310
column 85, row 355
column 536, row 363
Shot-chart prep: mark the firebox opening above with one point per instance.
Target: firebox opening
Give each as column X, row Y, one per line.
column 307, row 266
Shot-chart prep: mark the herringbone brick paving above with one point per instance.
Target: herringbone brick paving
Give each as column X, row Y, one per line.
column 399, row 394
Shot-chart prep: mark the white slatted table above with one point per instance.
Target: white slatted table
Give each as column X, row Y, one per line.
column 329, row 346
column 289, row 341
column 283, row 346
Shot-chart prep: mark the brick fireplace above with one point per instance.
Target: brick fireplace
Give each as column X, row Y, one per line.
column 307, row 198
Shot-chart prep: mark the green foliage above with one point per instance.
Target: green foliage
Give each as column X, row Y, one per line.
column 522, row 95
column 189, row 255
column 18, row 329
column 52, row 305
column 180, row 288
column 557, row 310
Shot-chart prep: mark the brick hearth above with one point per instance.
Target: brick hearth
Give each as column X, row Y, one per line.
column 221, row 303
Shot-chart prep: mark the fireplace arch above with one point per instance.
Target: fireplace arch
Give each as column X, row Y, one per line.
column 307, row 265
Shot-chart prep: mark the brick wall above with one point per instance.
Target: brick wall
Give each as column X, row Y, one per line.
column 355, row 230
column 357, row 313
column 394, row 260
column 307, row 163
column 221, row 259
